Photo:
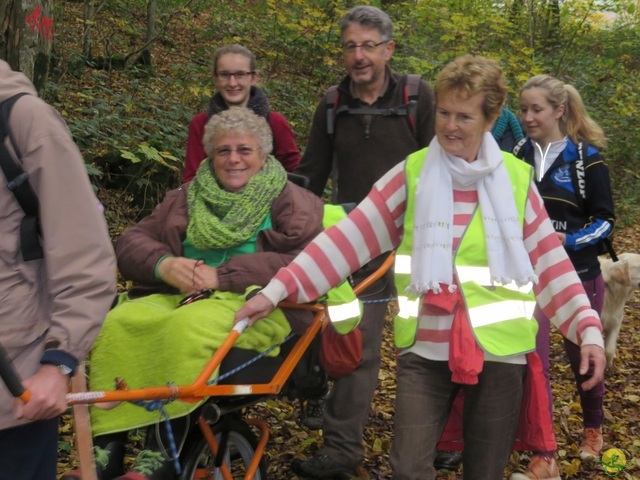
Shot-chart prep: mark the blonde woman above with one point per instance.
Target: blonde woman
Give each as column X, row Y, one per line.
column 563, row 145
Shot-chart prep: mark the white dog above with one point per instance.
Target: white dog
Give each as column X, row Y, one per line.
column 621, row 278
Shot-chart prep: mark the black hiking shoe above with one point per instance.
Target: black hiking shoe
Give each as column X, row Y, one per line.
column 312, row 412
column 448, row 460
column 321, row 466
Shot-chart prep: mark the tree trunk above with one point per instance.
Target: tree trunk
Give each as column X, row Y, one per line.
column 531, row 24
column 26, row 32
column 87, row 38
column 549, row 27
column 151, row 32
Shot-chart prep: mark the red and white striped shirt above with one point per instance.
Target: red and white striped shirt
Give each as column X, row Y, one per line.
column 376, row 226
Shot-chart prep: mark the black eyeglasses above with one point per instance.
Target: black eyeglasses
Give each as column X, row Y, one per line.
column 366, row 47
column 239, row 76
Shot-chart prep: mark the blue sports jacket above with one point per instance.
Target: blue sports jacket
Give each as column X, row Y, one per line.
column 585, row 221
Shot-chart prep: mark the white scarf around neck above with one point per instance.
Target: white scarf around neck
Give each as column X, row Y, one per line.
column 432, row 260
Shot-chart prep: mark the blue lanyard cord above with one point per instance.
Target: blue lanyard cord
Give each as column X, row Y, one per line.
column 152, row 405
column 380, row 300
column 267, row 351
column 172, row 442
column 249, row 362
column 158, row 404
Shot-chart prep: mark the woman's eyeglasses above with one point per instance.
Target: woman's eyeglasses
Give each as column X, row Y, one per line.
column 225, row 152
column 239, row 76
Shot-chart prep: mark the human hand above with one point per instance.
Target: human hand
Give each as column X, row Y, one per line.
column 187, row 275
column 48, row 388
column 254, row 309
column 592, row 360
column 562, row 237
column 205, row 277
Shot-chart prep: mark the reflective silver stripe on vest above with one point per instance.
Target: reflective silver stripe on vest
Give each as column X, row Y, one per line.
column 403, row 265
column 408, row 308
column 345, row 311
column 482, row 276
column 500, row 311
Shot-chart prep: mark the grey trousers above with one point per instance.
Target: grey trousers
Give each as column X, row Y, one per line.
column 347, row 410
column 490, row 417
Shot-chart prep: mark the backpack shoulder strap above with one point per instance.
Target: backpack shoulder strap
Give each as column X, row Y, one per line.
column 579, row 171
column 411, row 88
column 5, row 112
column 579, row 179
column 518, row 150
column 331, row 99
column 18, row 183
column 411, row 91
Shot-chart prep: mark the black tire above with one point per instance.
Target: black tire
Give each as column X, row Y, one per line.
column 240, row 450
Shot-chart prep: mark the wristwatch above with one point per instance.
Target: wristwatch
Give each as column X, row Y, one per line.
column 65, row 370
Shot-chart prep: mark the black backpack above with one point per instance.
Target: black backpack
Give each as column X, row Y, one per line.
column 18, row 183
column 408, row 109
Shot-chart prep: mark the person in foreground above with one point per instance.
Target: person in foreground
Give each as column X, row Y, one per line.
column 563, row 139
column 475, row 251
column 235, row 77
column 228, row 230
column 53, row 306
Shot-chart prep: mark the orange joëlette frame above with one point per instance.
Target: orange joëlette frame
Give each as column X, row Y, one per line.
column 199, row 389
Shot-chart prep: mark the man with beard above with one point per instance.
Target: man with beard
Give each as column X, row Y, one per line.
column 368, row 126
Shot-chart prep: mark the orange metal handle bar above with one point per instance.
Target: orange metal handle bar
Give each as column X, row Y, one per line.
column 199, row 388
column 377, row 275
column 189, row 391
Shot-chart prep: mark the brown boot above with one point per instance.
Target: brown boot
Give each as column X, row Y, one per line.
column 540, row 468
column 592, row 444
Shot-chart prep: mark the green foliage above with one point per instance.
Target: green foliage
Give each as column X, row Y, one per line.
column 131, row 125
column 64, row 447
column 135, row 136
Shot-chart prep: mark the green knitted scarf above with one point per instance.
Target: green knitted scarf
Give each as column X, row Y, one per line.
column 222, row 219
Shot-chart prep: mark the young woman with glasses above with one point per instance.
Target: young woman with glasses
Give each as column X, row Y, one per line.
column 235, row 78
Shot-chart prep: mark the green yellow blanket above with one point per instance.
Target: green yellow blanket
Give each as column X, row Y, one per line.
column 149, row 342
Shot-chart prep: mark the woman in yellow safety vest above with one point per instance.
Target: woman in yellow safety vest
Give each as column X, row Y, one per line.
column 475, row 253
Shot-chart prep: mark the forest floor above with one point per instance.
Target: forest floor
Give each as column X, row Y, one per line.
column 289, row 439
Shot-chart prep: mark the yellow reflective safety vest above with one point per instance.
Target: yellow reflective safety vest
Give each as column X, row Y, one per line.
column 345, row 310
column 501, row 316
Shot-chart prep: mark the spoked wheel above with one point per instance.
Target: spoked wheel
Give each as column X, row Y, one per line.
column 200, row 461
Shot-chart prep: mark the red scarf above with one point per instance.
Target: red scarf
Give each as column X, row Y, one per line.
column 466, row 358
column 465, row 355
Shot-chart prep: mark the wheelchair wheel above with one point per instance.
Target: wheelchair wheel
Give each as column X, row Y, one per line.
column 199, row 462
